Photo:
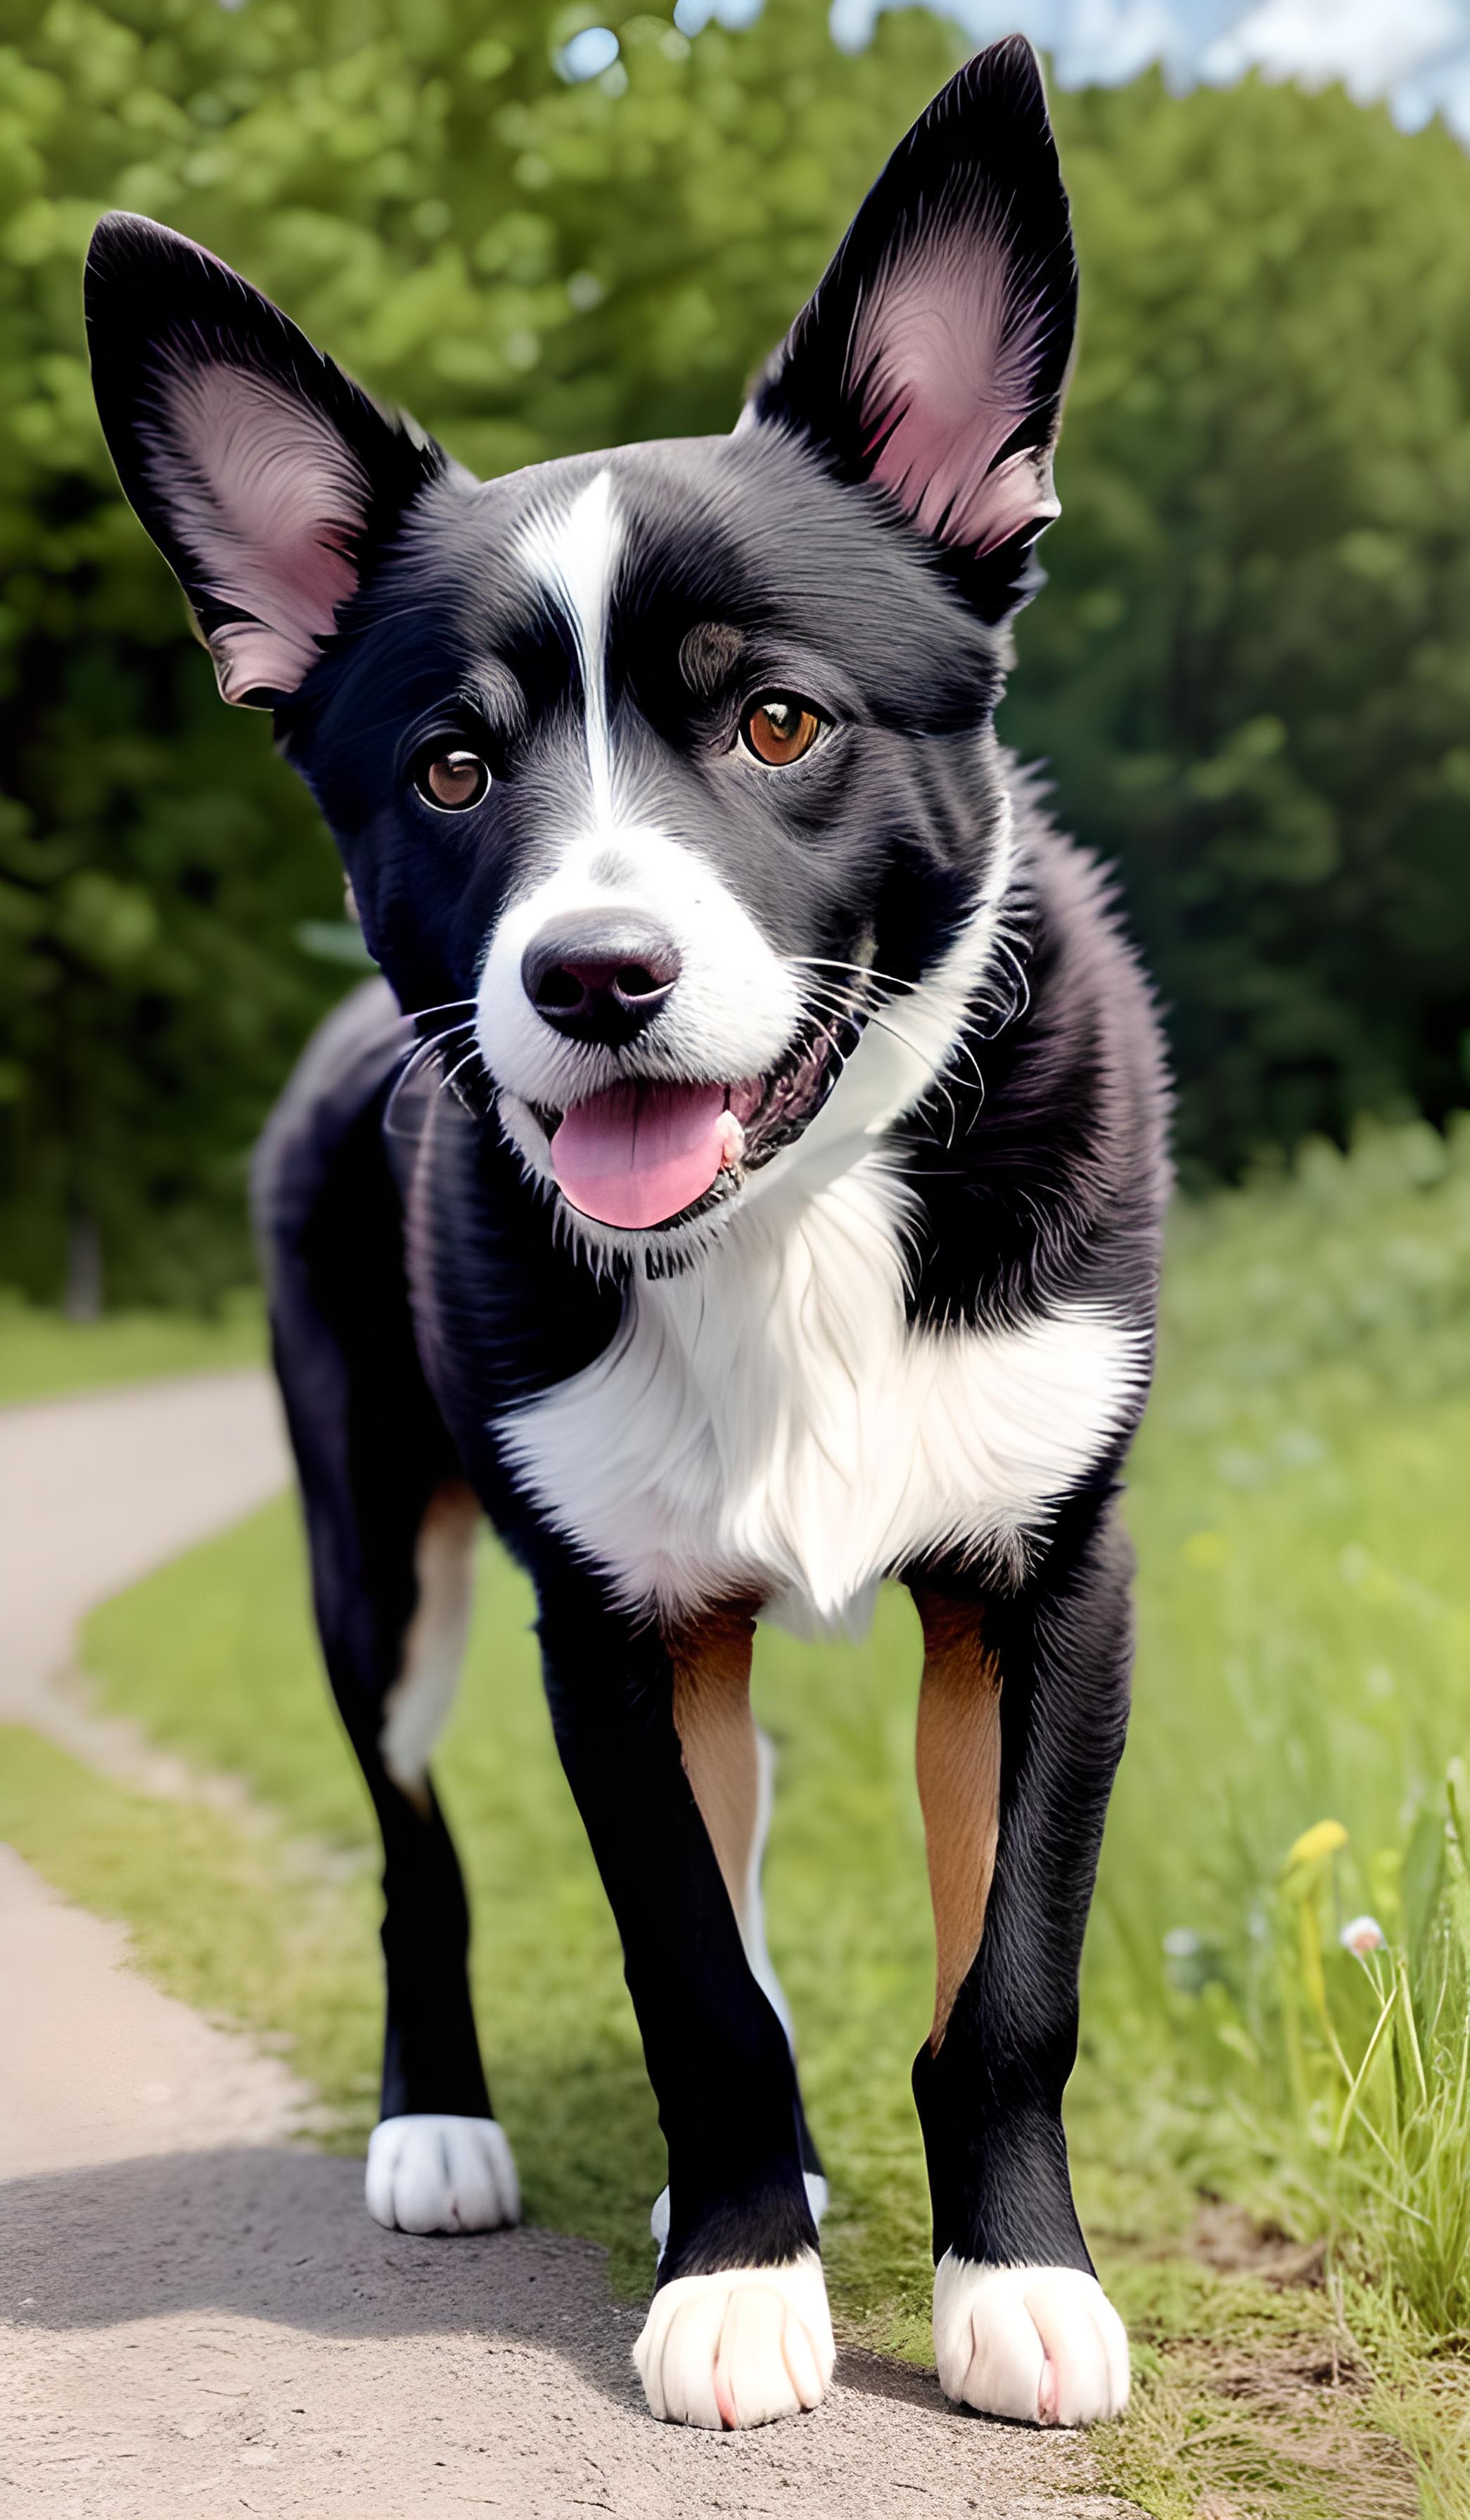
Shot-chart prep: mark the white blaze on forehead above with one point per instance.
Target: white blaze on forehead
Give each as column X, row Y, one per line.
column 736, row 1002
column 573, row 555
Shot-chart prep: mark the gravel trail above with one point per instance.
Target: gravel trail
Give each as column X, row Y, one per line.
column 197, row 2316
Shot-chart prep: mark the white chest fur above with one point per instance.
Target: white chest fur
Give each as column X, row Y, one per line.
column 768, row 1424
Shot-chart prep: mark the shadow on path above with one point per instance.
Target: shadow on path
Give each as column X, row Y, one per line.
column 282, row 2235
column 227, row 2328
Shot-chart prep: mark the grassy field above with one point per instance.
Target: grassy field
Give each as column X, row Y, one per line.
column 42, row 1355
column 1251, row 2096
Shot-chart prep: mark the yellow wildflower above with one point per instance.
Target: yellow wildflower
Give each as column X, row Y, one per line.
column 1323, row 1839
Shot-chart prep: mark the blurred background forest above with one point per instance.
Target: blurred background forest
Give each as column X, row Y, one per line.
column 1250, row 671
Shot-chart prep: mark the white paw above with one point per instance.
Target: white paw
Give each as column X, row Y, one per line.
column 658, row 2221
column 1041, row 2344
column 738, row 2348
column 441, row 2174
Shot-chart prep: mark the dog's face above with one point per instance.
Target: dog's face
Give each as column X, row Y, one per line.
column 667, row 769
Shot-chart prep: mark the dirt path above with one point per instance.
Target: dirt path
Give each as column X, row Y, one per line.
column 94, row 1493
column 198, row 2318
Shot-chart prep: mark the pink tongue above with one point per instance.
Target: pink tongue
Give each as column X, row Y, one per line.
column 638, row 1153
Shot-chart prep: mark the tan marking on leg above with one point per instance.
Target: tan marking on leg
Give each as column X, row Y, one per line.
column 711, row 1714
column 958, row 1754
column 415, row 1708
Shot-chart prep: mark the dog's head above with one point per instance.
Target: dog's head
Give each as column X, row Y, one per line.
column 670, row 769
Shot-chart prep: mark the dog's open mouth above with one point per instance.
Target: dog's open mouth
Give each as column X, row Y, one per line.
column 646, row 1152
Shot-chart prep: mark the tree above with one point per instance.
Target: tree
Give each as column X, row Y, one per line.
column 1249, row 672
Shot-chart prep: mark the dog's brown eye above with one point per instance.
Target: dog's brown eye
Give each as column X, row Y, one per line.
column 780, row 728
column 452, row 781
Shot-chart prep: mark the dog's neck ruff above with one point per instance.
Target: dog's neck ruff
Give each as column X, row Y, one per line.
column 768, row 1424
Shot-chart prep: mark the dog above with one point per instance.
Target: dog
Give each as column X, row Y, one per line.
column 743, row 1186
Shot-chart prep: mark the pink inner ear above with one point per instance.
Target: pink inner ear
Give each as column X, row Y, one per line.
column 949, row 350
column 267, row 497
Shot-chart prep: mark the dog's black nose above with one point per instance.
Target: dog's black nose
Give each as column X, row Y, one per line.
column 600, row 974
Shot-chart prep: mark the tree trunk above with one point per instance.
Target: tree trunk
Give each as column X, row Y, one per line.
column 83, row 1298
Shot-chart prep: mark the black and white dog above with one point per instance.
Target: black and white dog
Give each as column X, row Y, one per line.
column 756, row 1196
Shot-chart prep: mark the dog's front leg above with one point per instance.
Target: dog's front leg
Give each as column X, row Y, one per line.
column 1022, row 1717
column 739, row 2330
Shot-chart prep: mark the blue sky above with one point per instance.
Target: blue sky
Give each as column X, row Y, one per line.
column 1415, row 53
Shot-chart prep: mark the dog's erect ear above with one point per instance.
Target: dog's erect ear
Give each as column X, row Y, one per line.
column 264, row 475
column 934, row 355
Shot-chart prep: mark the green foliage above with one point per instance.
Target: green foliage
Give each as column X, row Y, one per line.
column 1249, row 670
column 226, row 1911
column 42, row 1354
column 1252, row 667
column 1298, row 1497
column 1348, row 2036
column 1340, row 1283
column 1374, row 2038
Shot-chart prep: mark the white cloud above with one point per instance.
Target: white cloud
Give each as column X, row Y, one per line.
column 1370, row 47
column 1415, row 53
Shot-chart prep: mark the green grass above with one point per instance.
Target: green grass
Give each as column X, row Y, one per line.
column 231, row 1915
column 42, row 1355
column 1300, row 1501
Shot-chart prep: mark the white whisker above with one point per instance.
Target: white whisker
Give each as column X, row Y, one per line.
column 416, row 1060
column 417, row 1015
column 445, row 1082
column 867, row 973
column 944, row 1075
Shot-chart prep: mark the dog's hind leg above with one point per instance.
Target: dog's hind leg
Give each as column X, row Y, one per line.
column 732, row 1765
column 1021, row 1717
column 391, row 1526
